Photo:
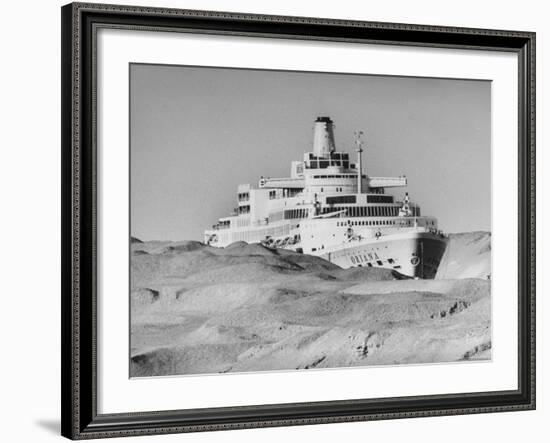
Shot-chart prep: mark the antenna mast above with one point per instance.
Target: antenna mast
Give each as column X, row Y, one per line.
column 359, row 144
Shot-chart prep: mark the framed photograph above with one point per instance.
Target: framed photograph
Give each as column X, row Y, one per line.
column 273, row 221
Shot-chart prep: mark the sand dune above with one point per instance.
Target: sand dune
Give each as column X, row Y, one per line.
column 197, row 309
column 468, row 255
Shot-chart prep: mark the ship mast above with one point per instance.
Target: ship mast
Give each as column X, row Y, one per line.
column 359, row 144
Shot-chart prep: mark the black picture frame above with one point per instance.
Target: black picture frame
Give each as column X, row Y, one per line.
column 79, row 178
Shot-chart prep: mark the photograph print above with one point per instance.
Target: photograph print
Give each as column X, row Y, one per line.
column 285, row 220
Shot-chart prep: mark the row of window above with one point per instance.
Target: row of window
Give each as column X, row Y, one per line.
column 333, row 155
column 338, row 176
column 295, row 213
column 221, row 225
column 286, row 193
column 243, row 209
column 322, row 164
column 360, row 259
column 341, row 199
column 370, row 211
column 243, row 196
column 379, row 199
column 354, row 211
column 352, row 199
column 404, row 222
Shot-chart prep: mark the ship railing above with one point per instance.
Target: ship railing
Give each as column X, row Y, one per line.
column 382, row 230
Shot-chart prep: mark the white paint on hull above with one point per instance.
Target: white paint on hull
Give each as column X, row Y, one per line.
column 415, row 254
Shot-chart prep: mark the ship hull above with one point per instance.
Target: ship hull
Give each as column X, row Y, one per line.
column 415, row 254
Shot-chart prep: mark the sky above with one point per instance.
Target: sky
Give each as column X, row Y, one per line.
column 196, row 133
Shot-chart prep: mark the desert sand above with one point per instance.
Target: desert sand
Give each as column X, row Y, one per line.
column 197, row 309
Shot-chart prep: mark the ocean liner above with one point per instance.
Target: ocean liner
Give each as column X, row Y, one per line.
column 329, row 208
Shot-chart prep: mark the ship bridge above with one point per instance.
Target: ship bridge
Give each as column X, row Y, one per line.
column 327, row 171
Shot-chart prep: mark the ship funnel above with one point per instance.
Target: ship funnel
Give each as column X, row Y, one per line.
column 323, row 137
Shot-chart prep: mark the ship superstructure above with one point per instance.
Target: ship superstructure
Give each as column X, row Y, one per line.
column 328, row 207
